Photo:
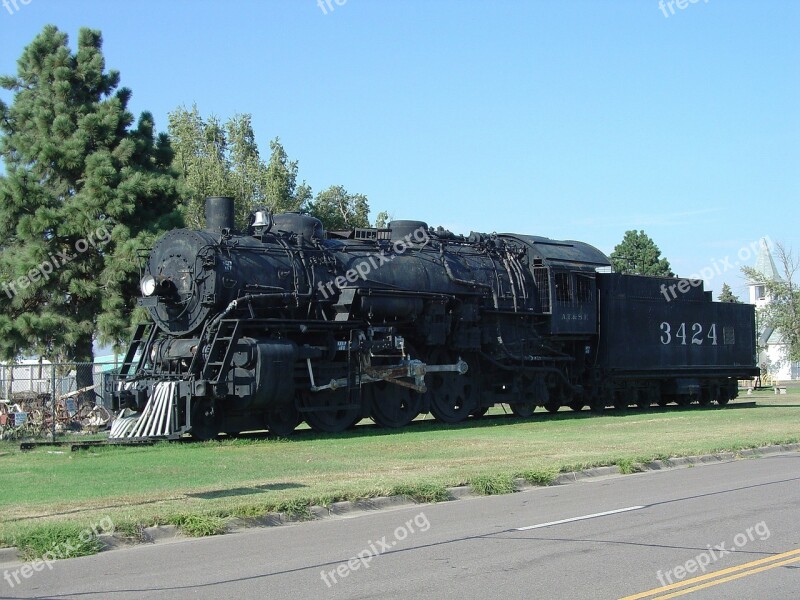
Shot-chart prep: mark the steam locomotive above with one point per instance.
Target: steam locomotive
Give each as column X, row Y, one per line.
column 285, row 322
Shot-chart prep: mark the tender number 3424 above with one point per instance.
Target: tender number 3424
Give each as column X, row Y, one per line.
column 693, row 334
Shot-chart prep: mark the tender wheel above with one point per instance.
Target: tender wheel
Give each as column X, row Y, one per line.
column 535, row 393
column 654, row 394
column 724, row 397
column 283, row 419
column 552, row 407
column 524, row 410
column 602, row 396
column 333, row 412
column 598, row 407
column 621, row 400
column 643, row 399
column 393, row 405
column 452, row 396
column 576, row 406
column 597, row 400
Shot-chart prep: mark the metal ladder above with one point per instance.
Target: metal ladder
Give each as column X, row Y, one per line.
column 136, row 342
column 221, row 351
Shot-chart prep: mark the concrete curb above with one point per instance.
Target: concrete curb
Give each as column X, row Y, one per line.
column 348, row 509
column 574, row 476
column 161, row 533
column 9, row 555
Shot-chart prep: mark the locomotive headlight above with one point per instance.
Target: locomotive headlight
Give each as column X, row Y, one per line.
column 148, row 285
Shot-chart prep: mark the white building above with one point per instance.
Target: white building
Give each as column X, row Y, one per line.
column 773, row 356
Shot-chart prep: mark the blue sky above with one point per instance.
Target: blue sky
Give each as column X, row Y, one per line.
column 568, row 119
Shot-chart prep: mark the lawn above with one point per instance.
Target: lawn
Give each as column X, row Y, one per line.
column 165, row 483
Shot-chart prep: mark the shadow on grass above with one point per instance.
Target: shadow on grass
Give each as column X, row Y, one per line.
column 420, row 426
column 256, row 489
column 246, row 491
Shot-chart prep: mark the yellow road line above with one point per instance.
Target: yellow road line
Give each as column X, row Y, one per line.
column 716, row 574
column 726, row 579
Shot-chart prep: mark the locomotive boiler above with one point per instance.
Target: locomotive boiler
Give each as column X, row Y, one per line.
column 285, row 323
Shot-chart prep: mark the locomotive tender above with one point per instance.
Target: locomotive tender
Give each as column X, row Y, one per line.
column 287, row 323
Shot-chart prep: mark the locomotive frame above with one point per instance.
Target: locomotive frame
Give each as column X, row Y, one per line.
column 286, row 323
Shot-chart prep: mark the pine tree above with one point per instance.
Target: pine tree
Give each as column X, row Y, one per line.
column 637, row 254
column 82, row 194
column 726, row 295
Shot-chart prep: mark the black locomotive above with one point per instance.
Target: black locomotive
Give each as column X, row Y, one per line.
column 286, row 323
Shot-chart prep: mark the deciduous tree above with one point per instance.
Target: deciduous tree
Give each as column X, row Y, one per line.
column 782, row 312
column 338, row 209
column 222, row 159
column 383, row 219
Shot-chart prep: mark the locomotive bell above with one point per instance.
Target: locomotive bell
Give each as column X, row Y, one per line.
column 260, row 219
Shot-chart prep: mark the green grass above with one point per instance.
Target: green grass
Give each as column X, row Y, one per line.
column 59, row 540
column 200, row 486
column 491, row 485
column 421, row 492
column 198, row 525
column 540, row 477
column 628, row 465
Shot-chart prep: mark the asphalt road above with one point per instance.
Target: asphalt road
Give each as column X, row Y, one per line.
column 725, row 530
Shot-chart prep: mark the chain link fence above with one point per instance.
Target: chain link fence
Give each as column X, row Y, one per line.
column 40, row 399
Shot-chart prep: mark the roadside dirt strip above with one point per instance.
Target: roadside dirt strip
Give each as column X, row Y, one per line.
column 348, row 509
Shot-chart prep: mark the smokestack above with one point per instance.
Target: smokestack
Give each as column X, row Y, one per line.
column 219, row 213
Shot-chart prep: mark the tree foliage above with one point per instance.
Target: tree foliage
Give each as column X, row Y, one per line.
column 83, row 192
column 782, row 312
column 726, row 295
column 222, row 159
column 283, row 193
column 382, row 220
column 637, row 254
column 338, row 209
